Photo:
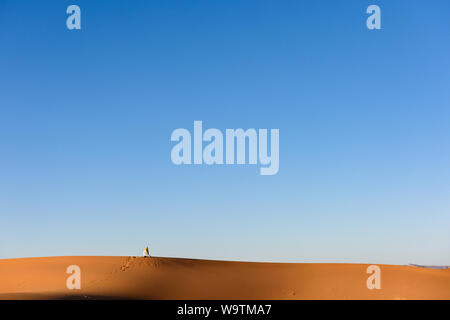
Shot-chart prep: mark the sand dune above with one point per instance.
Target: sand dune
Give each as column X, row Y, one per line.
column 175, row 278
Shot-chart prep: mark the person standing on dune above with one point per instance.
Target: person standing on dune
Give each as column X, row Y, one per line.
column 146, row 253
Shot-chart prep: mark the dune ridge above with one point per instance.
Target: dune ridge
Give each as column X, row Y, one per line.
column 178, row 278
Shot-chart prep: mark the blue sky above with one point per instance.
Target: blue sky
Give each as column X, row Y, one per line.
column 86, row 118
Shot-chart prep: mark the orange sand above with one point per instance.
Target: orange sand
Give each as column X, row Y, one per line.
column 174, row 278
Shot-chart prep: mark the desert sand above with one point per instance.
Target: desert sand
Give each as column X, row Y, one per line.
column 177, row 278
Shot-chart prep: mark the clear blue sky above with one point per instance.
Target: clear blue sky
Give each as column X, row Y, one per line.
column 364, row 118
